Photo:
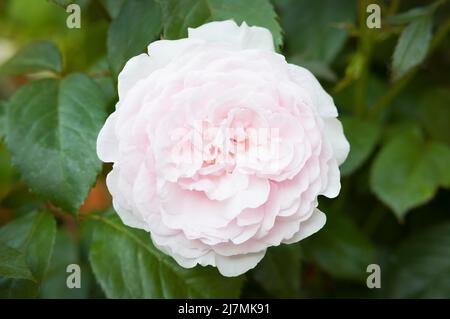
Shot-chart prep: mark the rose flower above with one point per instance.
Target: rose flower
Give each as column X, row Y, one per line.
column 220, row 147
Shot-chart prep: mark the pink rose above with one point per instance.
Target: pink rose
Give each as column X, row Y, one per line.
column 221, row 148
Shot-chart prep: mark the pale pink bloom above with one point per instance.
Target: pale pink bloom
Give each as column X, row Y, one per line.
column 221, row 148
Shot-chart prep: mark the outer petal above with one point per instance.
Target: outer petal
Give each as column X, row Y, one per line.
column 228, row 32
column 308, row 227
column 137, row 68
column 125, row 213
column 257, row 38
column 334, row 133
column 107, row 142
column 333, row 185
column 232, row 266
column 322, row 100
column 160, row 53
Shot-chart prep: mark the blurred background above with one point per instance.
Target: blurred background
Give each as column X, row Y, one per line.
column 392, row 88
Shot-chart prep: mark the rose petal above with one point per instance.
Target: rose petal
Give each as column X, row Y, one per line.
column 309, row 227
column 334, row 133
column 229, row 32
column 232, row 266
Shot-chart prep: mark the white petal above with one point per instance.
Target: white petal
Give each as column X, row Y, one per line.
column 308, row 227
column 257, row 38
column 322, row 100
column 228, row 185
column 228, row 32
column 162, row 52
column 127, row 217
column 107, row 142
column 232, row 266
column 181, row 260
column 137, row 68
column 254, row 196
column 178, row 245
column 333, row 186
column 334, row 133
column 218, row 187
column 217, row 31
column 120, row 204
column 191, row 211
column 144, row 192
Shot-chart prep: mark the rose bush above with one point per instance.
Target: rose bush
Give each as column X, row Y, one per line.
column 220, row 147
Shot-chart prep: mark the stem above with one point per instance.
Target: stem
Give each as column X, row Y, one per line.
column 365, row 48
column 69, row 220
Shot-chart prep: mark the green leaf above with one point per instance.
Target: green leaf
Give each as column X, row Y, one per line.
column 435, row 112
column 104, row 80
column 313, row 29
column 35, row 57
column 412, row 46
column 340, row 249
column 127, row 265
column 179, row 15
column 13, row 263
column 438, row 157
column 138, row 24
column 33, row 235
column 52, row 131
column 408, row 171
column 421, row 265
column 113, row 7
column 65, row 252
column 363, row 136
column 279, row 271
